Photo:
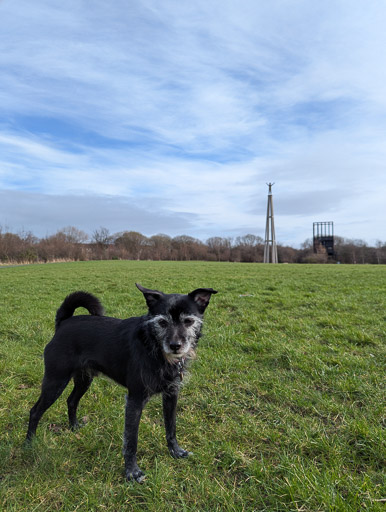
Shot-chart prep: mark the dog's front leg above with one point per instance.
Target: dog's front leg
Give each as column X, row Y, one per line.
column 133, row 412
column 170, row 409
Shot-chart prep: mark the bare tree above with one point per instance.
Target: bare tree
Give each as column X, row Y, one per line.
column 133, row 242
column 220, row 247
column 101, row 237
column 380, row 252
column 74, row 235
column 161, row 247
column 249, row 248
column 188, row 248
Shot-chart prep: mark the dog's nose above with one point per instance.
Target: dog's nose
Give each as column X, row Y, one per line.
column 175, row 346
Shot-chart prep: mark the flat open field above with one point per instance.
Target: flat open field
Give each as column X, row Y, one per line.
column 283, row 408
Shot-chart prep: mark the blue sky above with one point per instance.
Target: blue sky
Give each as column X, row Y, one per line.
column 170, row 117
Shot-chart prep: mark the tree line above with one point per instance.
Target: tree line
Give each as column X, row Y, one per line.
column 72, row 244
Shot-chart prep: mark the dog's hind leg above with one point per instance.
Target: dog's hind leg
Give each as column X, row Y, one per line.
column 82, row 381
column 52, row 388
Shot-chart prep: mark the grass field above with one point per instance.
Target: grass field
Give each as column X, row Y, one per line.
column 283, row 408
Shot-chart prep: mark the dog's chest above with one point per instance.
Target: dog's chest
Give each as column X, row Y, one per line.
column 166, row 378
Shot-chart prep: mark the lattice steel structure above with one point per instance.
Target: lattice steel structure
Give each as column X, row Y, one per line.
column 270, row 248
column 324, row 237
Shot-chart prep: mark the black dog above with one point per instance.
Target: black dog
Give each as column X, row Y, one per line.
column 146, row 354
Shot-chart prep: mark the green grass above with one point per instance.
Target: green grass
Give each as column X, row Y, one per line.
column 283, row 408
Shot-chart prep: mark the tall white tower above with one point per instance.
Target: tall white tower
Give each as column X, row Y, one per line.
column 270, row 249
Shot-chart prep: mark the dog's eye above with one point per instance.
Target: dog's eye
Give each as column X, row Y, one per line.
column 188, row 322
column 162, row 322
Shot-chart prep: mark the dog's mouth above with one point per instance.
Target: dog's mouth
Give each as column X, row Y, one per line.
column 173, row 357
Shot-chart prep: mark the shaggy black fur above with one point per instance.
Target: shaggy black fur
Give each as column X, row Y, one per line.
column 146, row 354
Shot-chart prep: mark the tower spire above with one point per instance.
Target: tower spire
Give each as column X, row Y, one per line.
column 270, row 249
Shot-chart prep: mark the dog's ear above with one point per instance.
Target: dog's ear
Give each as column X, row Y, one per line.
column 151, row 296
column 201, row 297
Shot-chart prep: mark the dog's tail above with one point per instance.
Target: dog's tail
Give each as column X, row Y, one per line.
column 78, row 300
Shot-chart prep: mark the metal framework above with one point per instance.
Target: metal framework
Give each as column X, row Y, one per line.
column 270, row 248
column 324, row 237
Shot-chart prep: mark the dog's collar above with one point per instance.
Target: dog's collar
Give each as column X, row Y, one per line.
column 180, row 367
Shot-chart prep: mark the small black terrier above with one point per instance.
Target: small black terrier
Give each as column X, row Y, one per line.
column 146, row 354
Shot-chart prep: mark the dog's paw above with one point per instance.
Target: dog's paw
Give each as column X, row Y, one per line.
column 28, row 443
column 136, row 475
column 179, row 453
column 77, row 425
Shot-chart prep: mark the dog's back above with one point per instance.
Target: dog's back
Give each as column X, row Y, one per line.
column 91, row 343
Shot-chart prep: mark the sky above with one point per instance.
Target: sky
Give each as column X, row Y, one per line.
column 171, row 117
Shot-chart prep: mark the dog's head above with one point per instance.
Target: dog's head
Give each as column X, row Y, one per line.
column 175, row 320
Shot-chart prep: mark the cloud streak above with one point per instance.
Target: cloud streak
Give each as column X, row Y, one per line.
column 88, row 213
